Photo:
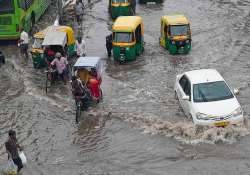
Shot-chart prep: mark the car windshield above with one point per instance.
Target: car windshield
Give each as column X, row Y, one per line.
column 37, row 43
column 176, row 30
column 119, row 1
column 122, row 37
column 212, row 91
column 6, row 6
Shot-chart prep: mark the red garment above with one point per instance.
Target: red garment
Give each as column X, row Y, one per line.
column 94, row 87
column 51, row 53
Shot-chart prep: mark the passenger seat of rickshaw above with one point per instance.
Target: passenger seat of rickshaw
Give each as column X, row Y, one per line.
column 83, row 74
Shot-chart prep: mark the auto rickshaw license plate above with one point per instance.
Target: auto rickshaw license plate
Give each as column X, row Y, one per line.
column 221, row 124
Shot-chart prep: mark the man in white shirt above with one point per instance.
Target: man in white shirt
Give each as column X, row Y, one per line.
column 24, row 43
column 80, row 47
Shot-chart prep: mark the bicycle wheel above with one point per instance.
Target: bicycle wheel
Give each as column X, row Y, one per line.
column 78, row 111
column 49, row 79
column 46, row 83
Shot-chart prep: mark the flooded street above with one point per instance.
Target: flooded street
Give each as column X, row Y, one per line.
column 147, row 132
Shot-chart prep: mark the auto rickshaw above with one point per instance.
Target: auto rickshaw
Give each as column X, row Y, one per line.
column 37, row 51
column 128, row 41
column 121, row 8
column 83, row 69
column 175, row 34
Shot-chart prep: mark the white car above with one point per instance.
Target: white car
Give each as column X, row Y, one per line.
column 206, row 97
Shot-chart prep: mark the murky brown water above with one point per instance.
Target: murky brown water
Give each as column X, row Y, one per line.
column 147, row 132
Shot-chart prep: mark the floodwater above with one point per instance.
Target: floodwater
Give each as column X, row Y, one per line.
column 147, row 133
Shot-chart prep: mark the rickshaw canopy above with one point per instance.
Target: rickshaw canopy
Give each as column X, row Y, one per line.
column 175, row 20
column 88, row 62
column 55, row 38
column 127, row 24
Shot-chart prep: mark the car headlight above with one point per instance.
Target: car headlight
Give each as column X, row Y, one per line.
column 201, row 116
column 172, row 42
column 237, row 112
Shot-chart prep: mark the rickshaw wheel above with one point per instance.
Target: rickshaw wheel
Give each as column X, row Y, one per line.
column 121, row 62
column 101, row 97
column 47, row 84
column 78, row 112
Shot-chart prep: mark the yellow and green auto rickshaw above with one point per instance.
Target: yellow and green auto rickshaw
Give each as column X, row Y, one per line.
column 128, row 41
column 175, row 34
column 37, row 51
column 121, row 8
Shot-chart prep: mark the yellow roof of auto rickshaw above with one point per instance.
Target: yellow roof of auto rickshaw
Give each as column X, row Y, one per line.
column 126, row 23
column 67, row 29
column 175, row 19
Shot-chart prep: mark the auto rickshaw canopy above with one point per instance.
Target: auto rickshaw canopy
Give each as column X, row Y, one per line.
column 68, row 30
column 127, row 24
column 54, row 38
column 175, row 20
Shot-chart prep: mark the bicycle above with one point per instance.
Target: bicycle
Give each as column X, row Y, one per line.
column 50, row 78
column 79, row 106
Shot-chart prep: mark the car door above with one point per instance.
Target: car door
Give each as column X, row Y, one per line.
column 187, row 105
column 183, row 89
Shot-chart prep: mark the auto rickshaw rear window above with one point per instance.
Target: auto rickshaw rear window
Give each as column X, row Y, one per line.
column 37, row 43
column 119, row 1
column 123, row 37
column 176, row 30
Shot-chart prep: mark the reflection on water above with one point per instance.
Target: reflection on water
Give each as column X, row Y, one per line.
column 147, row 132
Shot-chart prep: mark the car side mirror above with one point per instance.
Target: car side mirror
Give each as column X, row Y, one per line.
column 236, row 91
column 185, row 97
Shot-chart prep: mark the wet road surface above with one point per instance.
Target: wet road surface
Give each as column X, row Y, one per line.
column 147, row 132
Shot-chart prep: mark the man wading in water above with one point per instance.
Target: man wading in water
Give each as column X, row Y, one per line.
column 12, row 147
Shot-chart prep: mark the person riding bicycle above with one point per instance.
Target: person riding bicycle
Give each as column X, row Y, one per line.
column 61, row 64
column 79, row 92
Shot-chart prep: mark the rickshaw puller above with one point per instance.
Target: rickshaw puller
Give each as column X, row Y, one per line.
column 61, row 66
column 79, row 92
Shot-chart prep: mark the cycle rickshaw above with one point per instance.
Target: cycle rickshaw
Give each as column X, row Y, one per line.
column 88, row 70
